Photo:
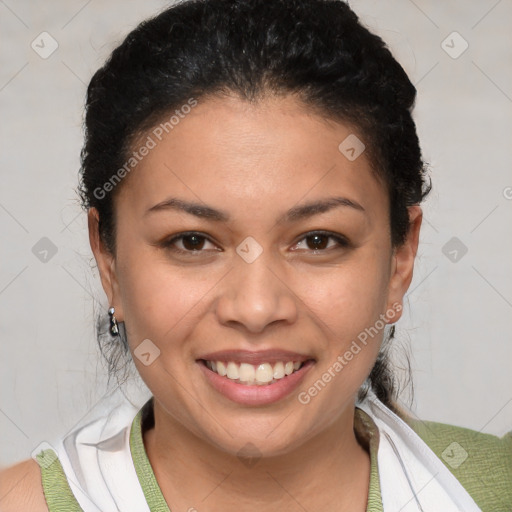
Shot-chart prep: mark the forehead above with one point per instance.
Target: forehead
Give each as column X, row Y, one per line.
column 264, row 153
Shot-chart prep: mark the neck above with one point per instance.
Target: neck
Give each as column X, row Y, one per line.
column 330, row 471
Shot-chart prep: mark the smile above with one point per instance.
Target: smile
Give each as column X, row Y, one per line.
column 258, row 381
column 254, row 375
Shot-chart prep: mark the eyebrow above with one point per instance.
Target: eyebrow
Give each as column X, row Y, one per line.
column 294, row 214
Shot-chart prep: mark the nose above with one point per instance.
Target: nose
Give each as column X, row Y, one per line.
column 255, row 295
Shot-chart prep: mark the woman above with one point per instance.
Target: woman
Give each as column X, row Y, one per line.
column 253, row 181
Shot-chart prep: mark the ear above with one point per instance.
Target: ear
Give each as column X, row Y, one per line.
column 402, row 263
column 106, row 263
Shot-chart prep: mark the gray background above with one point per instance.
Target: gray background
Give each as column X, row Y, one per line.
column 457, row 320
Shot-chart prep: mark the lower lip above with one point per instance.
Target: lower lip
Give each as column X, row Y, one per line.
column 256, row 394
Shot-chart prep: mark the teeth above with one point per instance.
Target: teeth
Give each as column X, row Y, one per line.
column 232, row 371
column 221, row 368
column 278, row 370
column 248, row 374
column 264, row 373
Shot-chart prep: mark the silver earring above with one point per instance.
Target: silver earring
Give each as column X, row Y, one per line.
column 114, row 327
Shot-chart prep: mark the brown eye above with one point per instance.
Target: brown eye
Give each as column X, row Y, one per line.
column 189, row 244
column 322, row 242
column 317, row 242
column 193, row 242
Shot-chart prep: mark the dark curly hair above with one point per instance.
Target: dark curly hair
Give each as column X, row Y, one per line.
column 316, row 50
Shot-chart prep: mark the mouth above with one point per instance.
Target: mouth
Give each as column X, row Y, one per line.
column 246, row 374
column 254, row 378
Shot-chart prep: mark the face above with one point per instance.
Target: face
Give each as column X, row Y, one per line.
column 246, row 236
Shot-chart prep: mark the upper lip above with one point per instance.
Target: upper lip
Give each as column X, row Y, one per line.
column 258, row 357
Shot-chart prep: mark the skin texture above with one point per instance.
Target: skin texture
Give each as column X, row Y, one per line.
column 21, row 488
column 255, row 162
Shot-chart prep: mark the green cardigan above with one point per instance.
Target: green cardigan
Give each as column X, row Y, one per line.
column 481, row 462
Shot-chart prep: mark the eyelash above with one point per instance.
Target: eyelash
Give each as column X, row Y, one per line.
column 169, row 244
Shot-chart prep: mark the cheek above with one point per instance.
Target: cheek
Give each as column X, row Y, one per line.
column 348, row 303
column 352, row 295
column 160, row 301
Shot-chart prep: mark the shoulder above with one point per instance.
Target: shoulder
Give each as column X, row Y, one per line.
column 21, row 488
column 481, row 462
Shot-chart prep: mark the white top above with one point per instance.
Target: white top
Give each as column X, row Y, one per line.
column 98, row 464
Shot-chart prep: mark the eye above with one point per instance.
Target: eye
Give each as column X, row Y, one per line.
column 318, row 241
column 188, row 243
